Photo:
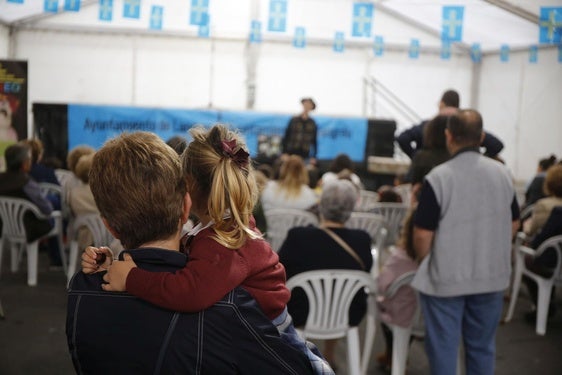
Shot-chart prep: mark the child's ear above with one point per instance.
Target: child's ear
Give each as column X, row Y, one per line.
column 186, row 208
column 110, row 229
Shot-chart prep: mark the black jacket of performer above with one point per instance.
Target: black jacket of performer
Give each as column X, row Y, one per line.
column 300, row 137
column 117, row 333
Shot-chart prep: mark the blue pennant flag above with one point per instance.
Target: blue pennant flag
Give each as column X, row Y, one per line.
column 476, row 53
column 204, row 30
column 72, row 5
column 16, row 1
column 277, row 15
column 51, row 6
column 199, row 9
column 550, row 25
column 299, row 41
column 131, row 8
column 339, row 42
column 105, row 10
column 378, row 46
column 560, row 53
column 504, row 53
column 255, row 32
column 414, row 51
column 156, row 17
column 362, row 19
column 445, row 50
column 451, row 28
column 533, row 54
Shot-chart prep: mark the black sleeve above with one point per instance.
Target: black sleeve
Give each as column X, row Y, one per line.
column 405, row 139
column 428, row 211
column 492, row 145
column 514, row 209
column 552, row 227
column 287, row 133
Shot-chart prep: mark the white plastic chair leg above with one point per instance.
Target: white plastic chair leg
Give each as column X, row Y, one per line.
column 370, row 330
column 15, row 252
column 400, row 346
column 32, row 250
column 353, row 360
column 516, row 285
column 544, row 289
column 72, row 256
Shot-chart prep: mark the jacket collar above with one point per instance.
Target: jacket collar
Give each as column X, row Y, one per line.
column 148, row 257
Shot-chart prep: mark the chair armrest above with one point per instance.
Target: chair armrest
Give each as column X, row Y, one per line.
column 527, row 250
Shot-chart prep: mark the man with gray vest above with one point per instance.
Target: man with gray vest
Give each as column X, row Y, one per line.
column 464, row 224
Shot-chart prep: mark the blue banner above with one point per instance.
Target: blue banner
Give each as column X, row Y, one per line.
column 451, row 28
column 378, row 46
column 105, row 10
column 255, row 32
column 533, row 54
column 445, row 50
column 199, row 8
column 72, row 5
column 504, row 53
column 550, row 25
column 277, row 15
column 156, row 16
column 51, row 6
column 362, row 19
column 15, row 1
column 339, row 42
column 414, row 51
column 476, row 53
column 299, row 41
column 560, row 53
column 131, row 9
column 93, row 125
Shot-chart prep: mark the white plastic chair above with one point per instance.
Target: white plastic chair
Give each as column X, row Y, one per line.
column 405, row 192
column 330, row 293
column 544, row 284
column 100, row 235
column 280, row 220
column 12, row 211
column 375, row 225
column 367, row 200
column 394, row 214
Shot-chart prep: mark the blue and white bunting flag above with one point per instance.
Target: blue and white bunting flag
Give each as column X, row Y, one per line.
column 339, row 42
column 533, row 54
column 362, row 20
column 476, row 53
column 131, row 8
column 299, row 41
column 550, row 25
column 105, row 10
column 72, row 5
column 445, row 50
column 277, row 20
column 504, row 53
column 51, row 6
column 199, row 10
column 451, row 28
column 15, row 1
column 378, row 46
column 414, row 51
column 156, row 17
column 204, row 29
column 255, row 32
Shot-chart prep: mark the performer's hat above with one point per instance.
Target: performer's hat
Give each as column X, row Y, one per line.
column 309, row 100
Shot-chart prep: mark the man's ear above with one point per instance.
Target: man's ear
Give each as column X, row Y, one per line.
column 186, row 208
column 110, row 228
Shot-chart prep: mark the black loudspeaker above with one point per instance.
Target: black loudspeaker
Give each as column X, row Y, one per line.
column 380, row 138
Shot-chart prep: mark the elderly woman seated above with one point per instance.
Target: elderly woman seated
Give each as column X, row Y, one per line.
column 297, row 255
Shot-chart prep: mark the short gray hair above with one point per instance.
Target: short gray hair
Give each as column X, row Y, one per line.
column 338, row 201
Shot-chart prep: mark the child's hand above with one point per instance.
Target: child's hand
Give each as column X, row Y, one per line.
column 96, row 259
column 116, row 276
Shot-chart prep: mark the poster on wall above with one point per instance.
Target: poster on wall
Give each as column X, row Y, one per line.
column 13, row 103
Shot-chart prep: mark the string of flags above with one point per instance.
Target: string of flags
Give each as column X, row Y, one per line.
column 362, row 25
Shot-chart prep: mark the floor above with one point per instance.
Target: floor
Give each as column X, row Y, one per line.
column 32, row 336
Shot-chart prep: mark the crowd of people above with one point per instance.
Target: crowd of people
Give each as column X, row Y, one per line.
column 189, row 217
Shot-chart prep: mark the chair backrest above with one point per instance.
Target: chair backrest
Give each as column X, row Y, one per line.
column 374, row 224
column 367, row 200
column 100, row 234
column 394, row 214
column 280, row 220
column 12, row 211
column 554, row 244
column 48, row 188
column 330, row 293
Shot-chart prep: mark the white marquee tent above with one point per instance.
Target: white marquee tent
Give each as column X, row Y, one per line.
column 74, row 57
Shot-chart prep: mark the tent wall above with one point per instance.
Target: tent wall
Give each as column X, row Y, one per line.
column 4, row 40
column 522, row 103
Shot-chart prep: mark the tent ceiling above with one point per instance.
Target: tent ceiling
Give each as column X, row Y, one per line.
column 488, row 22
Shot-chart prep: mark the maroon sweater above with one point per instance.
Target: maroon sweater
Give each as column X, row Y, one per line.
column 211, row 272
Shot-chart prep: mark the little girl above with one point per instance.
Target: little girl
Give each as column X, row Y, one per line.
column 225, row 249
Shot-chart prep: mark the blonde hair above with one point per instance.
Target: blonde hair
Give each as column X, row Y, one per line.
column 219, row 172
column 83, row 167
column 293, row 176
column 75, row 154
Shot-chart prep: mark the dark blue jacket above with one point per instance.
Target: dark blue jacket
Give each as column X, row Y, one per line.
column 117, row 333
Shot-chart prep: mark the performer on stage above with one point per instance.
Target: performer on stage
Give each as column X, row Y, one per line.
column 300, row 135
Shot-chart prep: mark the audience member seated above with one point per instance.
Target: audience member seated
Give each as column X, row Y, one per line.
column 388, row 195
column 136, row 179
column 259, row 216
column 545, row 263
column 291, row 190
column 297, row 255
column 71, row 160
column 39, row 171
column 17, row 183
column 341, row 167
column 535, row 189
column 543, row 207
column 398, row 310
column 178, row 143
